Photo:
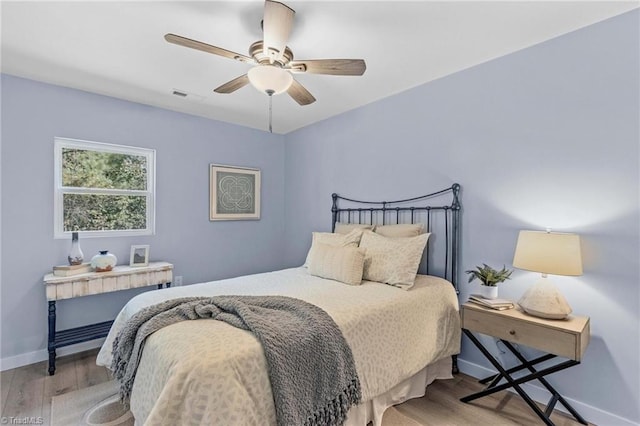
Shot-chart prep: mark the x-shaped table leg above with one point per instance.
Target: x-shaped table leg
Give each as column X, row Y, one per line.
column 493, row 386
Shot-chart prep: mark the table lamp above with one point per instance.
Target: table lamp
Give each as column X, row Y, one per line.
column 548, row 253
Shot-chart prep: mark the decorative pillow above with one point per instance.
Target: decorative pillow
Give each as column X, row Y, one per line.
column 401, row 230
column 352, row 239
column 345, row 228
column 393, row 261
column 344, row 264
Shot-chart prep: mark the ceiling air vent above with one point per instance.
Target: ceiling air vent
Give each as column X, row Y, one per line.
column 193, row 97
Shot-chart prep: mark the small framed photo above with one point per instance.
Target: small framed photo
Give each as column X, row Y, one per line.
column 139, row 256
column 234, row 193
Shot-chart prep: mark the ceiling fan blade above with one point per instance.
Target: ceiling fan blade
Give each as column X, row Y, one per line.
column 276, row 27
column 300, row 94
column 329, row 66
column 198, row 45
column 233, row 85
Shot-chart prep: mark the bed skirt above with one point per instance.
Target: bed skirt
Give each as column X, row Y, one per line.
column 413, row 387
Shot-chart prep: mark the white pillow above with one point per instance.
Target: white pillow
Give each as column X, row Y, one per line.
column 393, row 261
column 344, row 264
column 402, row 230
column 345, row 228
column 352, row 239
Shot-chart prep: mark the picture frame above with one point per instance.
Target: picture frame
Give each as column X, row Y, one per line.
column 139, row 255
column 234, row 193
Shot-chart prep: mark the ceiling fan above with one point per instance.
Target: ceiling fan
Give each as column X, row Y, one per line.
column 273, row 60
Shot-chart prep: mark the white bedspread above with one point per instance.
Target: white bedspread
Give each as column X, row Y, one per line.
column 208, row 372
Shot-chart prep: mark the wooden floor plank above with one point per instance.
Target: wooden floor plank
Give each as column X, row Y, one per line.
column 442, row 399
column 25, row 394
column 65, row 380
column 88, row 372
column 5, row 384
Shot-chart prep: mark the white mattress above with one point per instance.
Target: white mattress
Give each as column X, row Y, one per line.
column 208, row 372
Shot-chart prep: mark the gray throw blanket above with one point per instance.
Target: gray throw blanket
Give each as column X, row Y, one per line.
column 311, row 367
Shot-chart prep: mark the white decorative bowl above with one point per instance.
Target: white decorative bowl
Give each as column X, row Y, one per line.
column 104, row 261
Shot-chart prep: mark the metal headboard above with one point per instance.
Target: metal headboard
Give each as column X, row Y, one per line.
column 444, row 218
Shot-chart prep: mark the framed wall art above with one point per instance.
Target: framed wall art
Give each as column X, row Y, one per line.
column 234, row 193
column 139, row 256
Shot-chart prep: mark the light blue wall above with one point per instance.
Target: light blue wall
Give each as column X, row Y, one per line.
column 34, row 113
column 547, row 136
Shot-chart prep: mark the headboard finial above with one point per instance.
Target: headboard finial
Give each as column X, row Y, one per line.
column 334, row 211
column 455, row 188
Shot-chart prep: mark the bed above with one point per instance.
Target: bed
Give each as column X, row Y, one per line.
column 208, row 372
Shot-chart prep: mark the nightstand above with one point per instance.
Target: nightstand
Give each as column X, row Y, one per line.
column 120, row 278
column 558, row 338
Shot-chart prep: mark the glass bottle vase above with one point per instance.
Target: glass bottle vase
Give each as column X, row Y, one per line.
column 75, row 256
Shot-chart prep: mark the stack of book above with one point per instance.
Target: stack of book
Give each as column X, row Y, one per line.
column 70, row 270
column 498, row 304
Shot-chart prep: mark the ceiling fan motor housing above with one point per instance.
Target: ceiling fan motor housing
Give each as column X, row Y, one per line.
column 256, row 50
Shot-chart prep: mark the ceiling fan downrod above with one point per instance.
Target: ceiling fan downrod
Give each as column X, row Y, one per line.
column 270, row 93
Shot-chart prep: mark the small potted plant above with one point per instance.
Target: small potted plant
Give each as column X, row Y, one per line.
column 489, row 279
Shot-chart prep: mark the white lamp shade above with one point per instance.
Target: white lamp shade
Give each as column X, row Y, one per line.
column 548, row 253
column 268, row 77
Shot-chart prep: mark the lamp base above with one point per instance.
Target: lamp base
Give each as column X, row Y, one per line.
column 544, row 300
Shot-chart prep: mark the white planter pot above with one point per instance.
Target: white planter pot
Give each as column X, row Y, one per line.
column 489, row 292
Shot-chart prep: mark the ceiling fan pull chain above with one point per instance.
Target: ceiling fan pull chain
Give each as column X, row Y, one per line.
column 270, row 93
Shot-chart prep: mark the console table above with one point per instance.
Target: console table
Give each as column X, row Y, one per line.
column 120, row 278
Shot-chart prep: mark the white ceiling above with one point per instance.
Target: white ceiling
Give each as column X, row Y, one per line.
column 117, row 48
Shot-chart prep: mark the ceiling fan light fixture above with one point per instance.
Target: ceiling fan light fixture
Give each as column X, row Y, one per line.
column 270, row 78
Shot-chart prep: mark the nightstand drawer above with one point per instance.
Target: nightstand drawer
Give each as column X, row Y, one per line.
column 514, row 326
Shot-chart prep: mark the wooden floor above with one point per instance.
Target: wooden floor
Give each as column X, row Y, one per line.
column 441, row 406
column 27, row 392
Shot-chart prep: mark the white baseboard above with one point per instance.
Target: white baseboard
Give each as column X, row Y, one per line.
column 591, row 414
column 43, row 355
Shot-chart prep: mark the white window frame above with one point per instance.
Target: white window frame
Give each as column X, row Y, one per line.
column 59, row 190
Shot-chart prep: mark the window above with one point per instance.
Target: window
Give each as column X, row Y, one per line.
column 103, row 190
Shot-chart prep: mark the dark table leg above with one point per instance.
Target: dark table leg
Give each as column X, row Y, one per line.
column 454, row 364
column 507, row 376
column 534, row 374
column 51, row 346
column 497, row 377
column 556, row 397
